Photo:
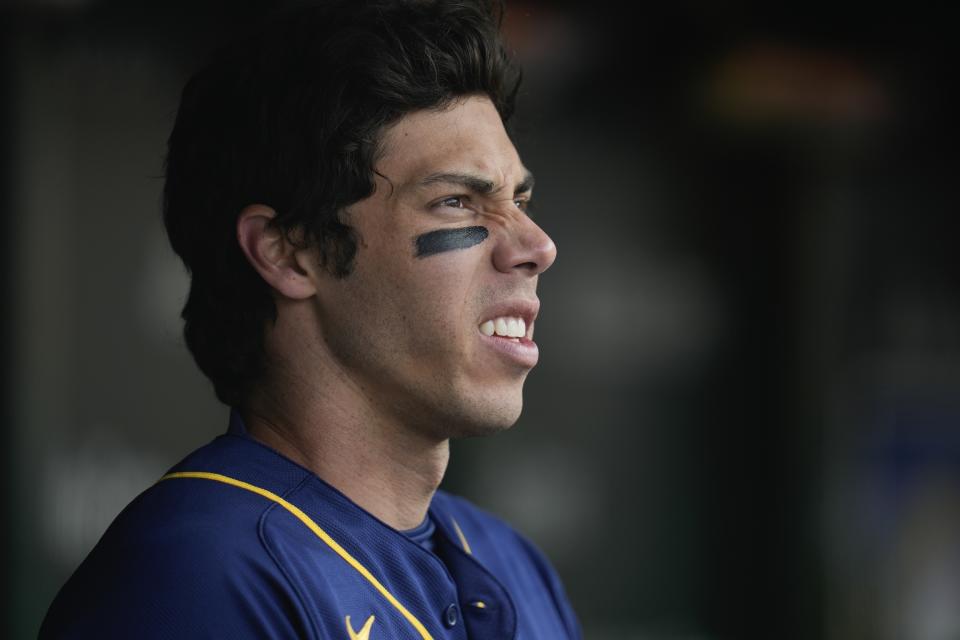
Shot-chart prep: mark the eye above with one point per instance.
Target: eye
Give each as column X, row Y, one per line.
column 454, row 201
column 524, row 204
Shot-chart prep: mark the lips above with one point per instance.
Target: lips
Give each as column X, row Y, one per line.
column 508, row 318
column 508, row 328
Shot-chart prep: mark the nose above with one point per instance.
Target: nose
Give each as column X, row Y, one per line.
column 526, row 248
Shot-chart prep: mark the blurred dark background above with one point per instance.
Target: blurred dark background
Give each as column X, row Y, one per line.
column 745, row 420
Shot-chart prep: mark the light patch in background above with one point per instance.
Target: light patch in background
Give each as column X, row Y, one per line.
column 551, row 47
column 657, row 316
column 85, row 488
column 774, row 82
column 164, row 284
column 551, row 495
column 922, row 586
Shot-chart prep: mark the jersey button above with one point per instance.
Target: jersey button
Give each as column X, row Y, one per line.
column 450, row 616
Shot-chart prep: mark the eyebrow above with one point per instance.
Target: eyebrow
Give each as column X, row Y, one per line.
column 479, row 184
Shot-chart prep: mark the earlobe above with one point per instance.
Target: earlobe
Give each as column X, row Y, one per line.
column 271, row 254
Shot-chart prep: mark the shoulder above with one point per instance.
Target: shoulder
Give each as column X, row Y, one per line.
column 179, row 562
column 208, row 505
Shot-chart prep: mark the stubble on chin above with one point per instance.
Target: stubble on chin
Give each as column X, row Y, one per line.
column 479, row 417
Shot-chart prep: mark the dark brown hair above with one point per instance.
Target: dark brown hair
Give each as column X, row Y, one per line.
column 291, row 116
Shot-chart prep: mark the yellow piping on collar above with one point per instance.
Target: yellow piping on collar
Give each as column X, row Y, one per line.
column 463, row 538
column 320, row 533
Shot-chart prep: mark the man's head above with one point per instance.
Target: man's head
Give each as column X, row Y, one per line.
column 348, row 132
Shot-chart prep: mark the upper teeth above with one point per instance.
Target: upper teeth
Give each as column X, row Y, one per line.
column 507, row 327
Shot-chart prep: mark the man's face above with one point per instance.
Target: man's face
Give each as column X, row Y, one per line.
column 446, row 256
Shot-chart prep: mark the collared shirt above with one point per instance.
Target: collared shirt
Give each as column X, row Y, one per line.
column 238, row 541
column 423, row 533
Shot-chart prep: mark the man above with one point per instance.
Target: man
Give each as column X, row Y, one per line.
column 363, row 288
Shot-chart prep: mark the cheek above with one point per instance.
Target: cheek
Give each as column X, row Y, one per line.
column 417, row 292
column 445, row 240
column 420, row 299
column 443, row 268
column 438, row 291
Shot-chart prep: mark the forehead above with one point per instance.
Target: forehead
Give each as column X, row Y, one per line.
column 466, row 137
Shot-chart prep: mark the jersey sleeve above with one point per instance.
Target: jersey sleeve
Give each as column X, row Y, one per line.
column 181, row 581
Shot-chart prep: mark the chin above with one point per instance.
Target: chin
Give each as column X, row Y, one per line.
column 464, row 409
column 486, row 416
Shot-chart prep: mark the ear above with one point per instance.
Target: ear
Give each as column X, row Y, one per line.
column 271, row 253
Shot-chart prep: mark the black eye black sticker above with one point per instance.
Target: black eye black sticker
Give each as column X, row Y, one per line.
column 443, row 240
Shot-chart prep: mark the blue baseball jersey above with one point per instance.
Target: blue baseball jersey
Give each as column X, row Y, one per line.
column 237, row 541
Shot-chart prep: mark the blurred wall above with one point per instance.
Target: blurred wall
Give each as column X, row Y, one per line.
column 745, row 418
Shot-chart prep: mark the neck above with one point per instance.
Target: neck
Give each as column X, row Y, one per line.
column 387, row 468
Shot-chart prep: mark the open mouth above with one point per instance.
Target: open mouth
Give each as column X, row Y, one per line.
column 509, row 330
column 505, row 327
